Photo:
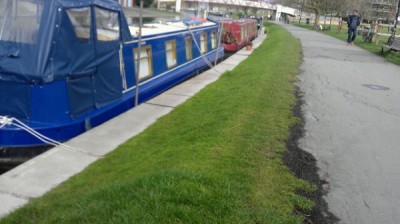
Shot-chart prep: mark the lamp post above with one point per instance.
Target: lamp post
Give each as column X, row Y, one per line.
column 326, row 9
column 391, row 39
column 139, row 49
column 301, row 9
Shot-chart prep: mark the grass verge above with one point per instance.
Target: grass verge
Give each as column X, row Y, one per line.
column 393, row 57
column 215, row 159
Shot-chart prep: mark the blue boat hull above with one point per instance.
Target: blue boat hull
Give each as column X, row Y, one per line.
column 12, row 136
column 70, row 67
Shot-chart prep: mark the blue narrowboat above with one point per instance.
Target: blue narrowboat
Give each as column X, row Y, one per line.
column 69, row 65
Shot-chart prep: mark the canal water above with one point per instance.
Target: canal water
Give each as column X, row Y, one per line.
column 3, row 171
column 12, row 157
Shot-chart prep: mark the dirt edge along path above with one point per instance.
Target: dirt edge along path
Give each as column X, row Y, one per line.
column 304, row 166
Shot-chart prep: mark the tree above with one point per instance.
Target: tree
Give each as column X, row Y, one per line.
column 323, row 6
column 342, row 8
column 314, row 6
column 339, row 8
column 363, row 7
column 393, row 35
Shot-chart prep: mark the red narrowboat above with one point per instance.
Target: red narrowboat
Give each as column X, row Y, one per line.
column 238, row 33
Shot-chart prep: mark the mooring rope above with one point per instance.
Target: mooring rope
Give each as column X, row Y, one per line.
column 4, row 120
column 197, row 46
column 201, row 53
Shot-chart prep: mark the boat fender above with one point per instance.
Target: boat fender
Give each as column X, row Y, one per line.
column 88, row 125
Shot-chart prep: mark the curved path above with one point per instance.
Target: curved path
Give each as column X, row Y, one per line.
column 352, row 126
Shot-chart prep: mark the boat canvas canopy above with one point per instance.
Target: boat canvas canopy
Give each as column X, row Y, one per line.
column 46, row 40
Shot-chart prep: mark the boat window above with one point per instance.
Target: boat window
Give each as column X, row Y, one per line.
column 20, row 20
column 146, row 64
column 80, row 19
column 170, row 51
column 188, row 46
column 213, row 39
column 107, row 25
column 203, row 43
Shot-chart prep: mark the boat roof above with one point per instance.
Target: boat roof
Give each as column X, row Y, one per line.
column 150, row 29
column 238, row 21
column 38, row 35
column 109, row 4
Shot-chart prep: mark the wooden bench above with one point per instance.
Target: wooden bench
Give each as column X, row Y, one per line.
column 395, row 46
column 324, row 27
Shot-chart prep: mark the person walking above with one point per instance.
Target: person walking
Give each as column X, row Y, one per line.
column 353, row 21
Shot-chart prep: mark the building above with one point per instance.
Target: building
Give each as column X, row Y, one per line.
column 238, row 7
column 244, row 7
column 127, row 3
column 382, row 9
column 227, row 7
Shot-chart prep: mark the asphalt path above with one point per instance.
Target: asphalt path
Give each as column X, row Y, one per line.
column 352, row 126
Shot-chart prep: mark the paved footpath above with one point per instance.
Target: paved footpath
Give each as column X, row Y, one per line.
column 352, row 115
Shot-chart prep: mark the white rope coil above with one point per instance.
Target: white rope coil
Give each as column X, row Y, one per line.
column 5, row 121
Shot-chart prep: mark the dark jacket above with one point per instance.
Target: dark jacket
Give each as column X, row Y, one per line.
column 353, row 21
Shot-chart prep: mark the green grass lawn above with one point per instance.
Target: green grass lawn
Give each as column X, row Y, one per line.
column 393, row 57
column 215, row 159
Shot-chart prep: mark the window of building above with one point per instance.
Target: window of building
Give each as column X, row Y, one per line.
column 170, row 51
column 107, row 25
column 80, row 19
column 146, row 62
column 214, row 39
column 203, row 43
column 188, row 47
